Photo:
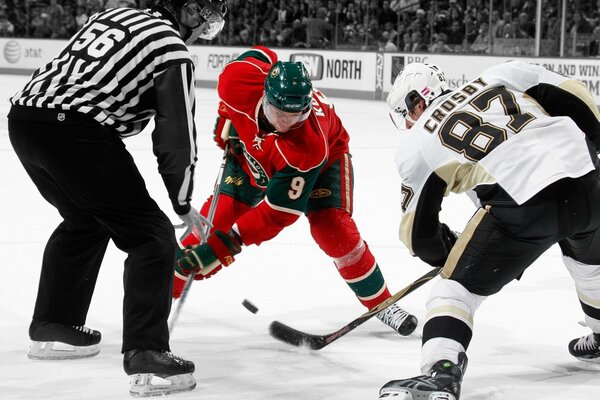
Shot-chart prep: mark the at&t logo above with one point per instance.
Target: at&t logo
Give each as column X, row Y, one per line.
column 12, row 51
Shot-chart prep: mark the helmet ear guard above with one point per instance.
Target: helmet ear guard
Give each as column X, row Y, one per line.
column 416, row 82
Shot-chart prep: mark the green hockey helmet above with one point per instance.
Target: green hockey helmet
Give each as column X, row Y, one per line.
column 288, row 95
column 288, row 86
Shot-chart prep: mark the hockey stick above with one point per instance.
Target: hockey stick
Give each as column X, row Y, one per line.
column 211, row 214
column 295, row 337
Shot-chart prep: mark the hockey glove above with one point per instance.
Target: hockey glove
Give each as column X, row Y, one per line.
column 225, row 132
column 195, row 223
column 206, row 259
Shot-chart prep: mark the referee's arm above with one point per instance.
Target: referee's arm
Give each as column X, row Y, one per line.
column 174, row 137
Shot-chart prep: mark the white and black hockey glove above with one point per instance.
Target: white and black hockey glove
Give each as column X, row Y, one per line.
column 195, row 223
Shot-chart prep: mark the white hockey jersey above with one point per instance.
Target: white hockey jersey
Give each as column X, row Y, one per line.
column 489, row 133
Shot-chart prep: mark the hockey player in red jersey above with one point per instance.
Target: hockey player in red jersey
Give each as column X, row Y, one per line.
column 524, row 140
column 289, row 157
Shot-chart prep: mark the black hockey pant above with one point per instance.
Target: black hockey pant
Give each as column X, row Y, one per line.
column 504, row 241
column 500, row 243
column 85, row 171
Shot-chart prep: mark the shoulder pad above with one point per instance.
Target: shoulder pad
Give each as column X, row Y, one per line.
column 305, row 148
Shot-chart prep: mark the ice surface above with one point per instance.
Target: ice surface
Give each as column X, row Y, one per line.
column 519, row 351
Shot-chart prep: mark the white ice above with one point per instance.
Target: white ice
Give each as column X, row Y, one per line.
column 519, row 349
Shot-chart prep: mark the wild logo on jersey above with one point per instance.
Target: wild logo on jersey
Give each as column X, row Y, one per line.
column 234, row 180
column 258, row 172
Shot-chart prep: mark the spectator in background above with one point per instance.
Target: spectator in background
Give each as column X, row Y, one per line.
column 67, row 26
column 580, row 24
column 513, row 31
column 18, row 17
column 406, row 42
column 81, row 17
column 421, row 21
column 318, row 30
column 95, row 6
column 284, row 38
column 55, row 13
column 119, row 4
column 456, row 34
column 386, row 42
column 351, row 14
column 481, row 44
column 417, row 44
column 594, row 17
column 526, row 25
column 242, row 39
column 441, row 22
column 503, row 26
column 284, row 13
column 298, row 11
column 455, row 12
column 144, row 4
column 496, row 22
column 7, row 29
column 471, row 29
column 386, row 14
column 298, row 36
column 41, row 26
column 268, row 14
column 371, row 34
column 594, row 48
column 389, row 27
column 440, row 44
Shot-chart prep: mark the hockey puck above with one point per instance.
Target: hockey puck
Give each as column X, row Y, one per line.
column 249, row 306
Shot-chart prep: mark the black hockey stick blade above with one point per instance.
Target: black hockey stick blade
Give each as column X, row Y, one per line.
column 289, row 335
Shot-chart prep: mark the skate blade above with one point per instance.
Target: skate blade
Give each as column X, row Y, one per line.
column 595, row 360
column 395, row 395
column 403, row 394
column 60, row 351
column 149, row 385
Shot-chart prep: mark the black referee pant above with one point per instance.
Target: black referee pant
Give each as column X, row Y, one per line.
column 84, row 170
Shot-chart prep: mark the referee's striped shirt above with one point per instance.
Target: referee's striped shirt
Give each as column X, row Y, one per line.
column 124, row 67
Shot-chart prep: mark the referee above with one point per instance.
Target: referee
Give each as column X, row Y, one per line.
column 123, row 68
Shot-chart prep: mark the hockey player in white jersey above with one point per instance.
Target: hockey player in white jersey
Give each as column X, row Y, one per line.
column 524, row 140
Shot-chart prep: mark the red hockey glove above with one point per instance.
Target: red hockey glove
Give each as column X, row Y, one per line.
column 225, row 132
column 206, row 259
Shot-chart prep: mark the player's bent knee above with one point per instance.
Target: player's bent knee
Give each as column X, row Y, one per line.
column 448, row 291
column 582, row 273
column 334, row 231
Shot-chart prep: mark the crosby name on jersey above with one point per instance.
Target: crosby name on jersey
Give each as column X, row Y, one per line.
column 468, row 140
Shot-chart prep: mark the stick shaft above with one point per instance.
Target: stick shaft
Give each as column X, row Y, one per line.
column 211, row 214
column 295, row 337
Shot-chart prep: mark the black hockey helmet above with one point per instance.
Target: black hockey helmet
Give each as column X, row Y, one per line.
column 202, row 19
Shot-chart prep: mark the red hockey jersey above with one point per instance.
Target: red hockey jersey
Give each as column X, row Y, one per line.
column 285, row 165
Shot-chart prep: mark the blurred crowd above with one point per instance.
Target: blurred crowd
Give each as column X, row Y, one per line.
column 461, row 26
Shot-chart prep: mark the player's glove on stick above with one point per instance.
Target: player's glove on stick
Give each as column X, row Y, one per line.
column 195, row 223
column 205, row 260
column 225, row 132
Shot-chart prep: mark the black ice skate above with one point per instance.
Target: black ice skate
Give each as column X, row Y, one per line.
column 54, row 341
column 157, row 373
column 442, row 383
column 398, row 319
column 586, row 348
